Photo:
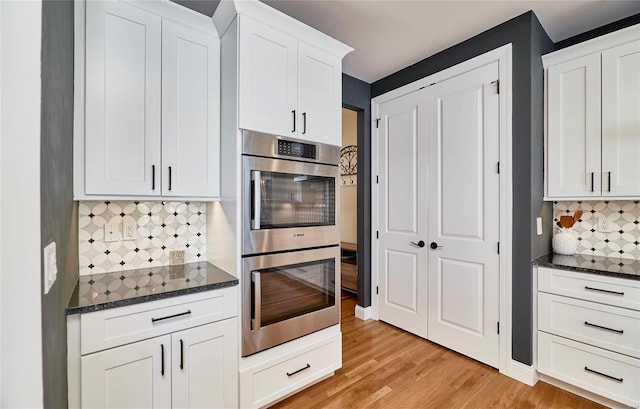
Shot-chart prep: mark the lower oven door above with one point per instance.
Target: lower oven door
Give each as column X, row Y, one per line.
column 288, row 205
column 288, row 295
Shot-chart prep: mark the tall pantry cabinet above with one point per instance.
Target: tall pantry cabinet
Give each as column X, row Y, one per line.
column 279, row 77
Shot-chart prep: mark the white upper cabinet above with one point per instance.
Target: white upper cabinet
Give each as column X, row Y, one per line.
column 267, row 85
column 190, row 112
column 289, row 75
column 123, row 65
column 151, row 103
column 592, row 110
column 621, row 120
column 319, row 95
column 573, row 149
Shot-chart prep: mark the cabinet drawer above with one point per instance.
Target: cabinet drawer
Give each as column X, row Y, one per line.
column 612, row 328
column 269, row 383
column 123, row 325
column 591, row 287
column 605, row 373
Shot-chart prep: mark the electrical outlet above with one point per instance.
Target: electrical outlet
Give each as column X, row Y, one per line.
column 112, row 232
column 176, row 257
column 129, row 231
column 604, row 225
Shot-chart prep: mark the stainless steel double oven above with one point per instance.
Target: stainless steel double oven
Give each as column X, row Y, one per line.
column 290, row 239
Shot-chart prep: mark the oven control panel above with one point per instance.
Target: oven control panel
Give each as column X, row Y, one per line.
column 296, row 149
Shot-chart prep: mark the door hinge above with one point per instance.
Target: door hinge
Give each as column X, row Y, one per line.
column 377, row 179
column 498, row 167
column 376, row 290
column 498, row 327
column 498, row 247
column 497, row 82
column 377, row 234
column 377, row 122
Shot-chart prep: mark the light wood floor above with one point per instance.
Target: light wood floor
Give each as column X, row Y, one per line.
column 384, row 367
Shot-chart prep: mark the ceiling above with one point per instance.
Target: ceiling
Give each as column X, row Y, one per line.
column 392, row 34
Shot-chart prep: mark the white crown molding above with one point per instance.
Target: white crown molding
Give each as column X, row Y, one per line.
column 594, row 45
column 228, row 9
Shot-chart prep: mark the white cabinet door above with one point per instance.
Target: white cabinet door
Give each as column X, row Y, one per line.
column 123, row 63
column 190, row 112
column 621, row 120
column 137, row 375
column 267, row 82
column 205, row 366
column 573, row 139
column 319, row 96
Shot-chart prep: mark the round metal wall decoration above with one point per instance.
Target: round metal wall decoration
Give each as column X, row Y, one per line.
column 349, row 164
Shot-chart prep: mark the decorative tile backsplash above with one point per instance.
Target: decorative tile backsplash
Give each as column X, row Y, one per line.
column 161, row 228
column 624, row 220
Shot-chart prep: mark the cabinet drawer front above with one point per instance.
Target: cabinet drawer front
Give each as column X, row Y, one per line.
column 602, row 372
column 612, row 328
column 117, row 326
column 282, row 378
column 591, row 287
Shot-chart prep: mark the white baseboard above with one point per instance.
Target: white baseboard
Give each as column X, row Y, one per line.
column 521, row 372
column 364, row 313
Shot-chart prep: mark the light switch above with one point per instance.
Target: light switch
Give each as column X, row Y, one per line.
column 539, row 226
column 50, row 267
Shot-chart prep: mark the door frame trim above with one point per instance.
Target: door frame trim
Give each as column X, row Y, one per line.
column 503, row 55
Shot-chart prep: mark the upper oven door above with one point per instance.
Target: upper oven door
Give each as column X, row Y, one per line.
column 288, row 205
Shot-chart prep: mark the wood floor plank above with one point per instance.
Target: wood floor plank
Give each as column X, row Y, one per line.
column 385, row 367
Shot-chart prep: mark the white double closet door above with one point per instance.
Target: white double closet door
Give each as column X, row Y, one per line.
column 438, row 213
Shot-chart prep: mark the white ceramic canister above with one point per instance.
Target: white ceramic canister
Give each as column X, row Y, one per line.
column 564, row 242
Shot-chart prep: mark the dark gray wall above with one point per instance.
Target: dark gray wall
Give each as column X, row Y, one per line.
column 540, row 45
column 596, row 32
column 58, row 211
column 527, row 102
column 356, row 95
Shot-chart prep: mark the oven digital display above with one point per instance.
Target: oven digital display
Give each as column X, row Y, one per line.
column 296, row 149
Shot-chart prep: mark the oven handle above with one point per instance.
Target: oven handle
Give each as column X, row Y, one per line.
column 257, row 190
column 257, row 300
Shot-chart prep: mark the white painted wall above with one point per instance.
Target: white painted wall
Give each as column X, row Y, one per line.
column 20, row 282
column 348, row 193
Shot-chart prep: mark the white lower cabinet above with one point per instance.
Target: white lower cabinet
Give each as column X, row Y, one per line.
column 275, row 374
column 186, row 357
column 131, row 376
column 589, row 333
column 194, row 368
column 614, row 376
column 205, row 366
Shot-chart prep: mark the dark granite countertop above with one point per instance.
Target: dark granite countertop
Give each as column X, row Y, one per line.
column 103, row 291
column 608, row 266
